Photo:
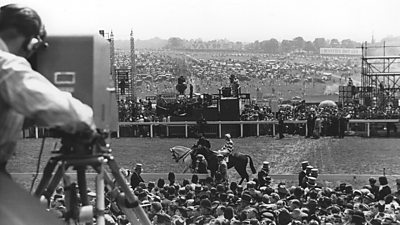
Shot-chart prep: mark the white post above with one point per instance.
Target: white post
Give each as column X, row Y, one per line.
column 167, row 130
column 220, row 129
column 186, row 129
column 368, row 129
column 258, row 129
column 151, row 130
column 273, row 129
column 36, row 132
column 241, row 129
column 306, row 130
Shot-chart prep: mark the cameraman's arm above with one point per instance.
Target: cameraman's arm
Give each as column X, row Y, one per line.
column 32, row 95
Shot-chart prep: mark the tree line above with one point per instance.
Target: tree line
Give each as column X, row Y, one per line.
column 272, row 46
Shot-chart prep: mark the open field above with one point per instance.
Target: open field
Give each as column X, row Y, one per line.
column 352, row 155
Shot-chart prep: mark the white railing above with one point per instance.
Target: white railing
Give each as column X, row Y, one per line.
column 186, row 124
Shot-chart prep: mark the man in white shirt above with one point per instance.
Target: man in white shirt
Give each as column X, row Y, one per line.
column 25, row 93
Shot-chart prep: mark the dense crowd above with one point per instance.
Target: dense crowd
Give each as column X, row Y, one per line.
column 299, row 112
column 261, row 201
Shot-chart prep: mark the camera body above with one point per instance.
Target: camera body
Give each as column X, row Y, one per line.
column 80, row 64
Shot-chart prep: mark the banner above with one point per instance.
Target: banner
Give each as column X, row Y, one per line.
column 340, row 51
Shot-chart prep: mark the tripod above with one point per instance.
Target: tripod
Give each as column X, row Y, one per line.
column 80, row 152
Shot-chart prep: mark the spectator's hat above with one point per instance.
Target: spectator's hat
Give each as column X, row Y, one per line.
column 298, row 191
column 309, row 167
column 190, row 202
column 357, row 192
column 311, row 182
column 370, row 197
column 372, row 180
column 268, row 214
column 219, row 155
column 304, row 164
column 314, row 170
column 365, row 191
column 145, row 203
column 268, row 178
column 156, row 206
column 251, row 184
column 182, row 191
column 220, row 188
column 197, row 188
column 139, row 167
column 215, row 204
column 265, row 165
column 228, row 136
column 364, row 207
column 334, row 209
column 383, row 180
column 142, row 185
column 140, row 192
column 282, row 190
column 297, row 214
column 205, row 203
column 247, row 198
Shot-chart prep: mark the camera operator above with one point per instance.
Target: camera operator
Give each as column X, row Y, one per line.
column 25, row 93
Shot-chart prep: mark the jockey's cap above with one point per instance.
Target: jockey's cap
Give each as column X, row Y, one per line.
column 228, row 136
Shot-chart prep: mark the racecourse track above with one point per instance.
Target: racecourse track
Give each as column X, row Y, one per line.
column 351, row 155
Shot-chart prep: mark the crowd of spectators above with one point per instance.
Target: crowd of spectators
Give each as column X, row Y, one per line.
column 299, row 112
column 260, row 201
column 207, row 72
column 260, row 74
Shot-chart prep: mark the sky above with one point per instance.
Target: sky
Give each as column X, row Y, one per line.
column 235, row 20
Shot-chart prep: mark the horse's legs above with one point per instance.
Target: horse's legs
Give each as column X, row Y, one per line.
column 241, row 181
column 186, row 169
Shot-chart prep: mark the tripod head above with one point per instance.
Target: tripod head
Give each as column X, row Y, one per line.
column 83, row 143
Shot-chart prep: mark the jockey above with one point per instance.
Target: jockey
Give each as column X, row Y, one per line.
column 203, row 142
column 227, row 149
column 201, row 147
column 201, row 164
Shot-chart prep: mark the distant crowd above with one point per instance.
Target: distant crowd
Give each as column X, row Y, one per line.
column 157, row 70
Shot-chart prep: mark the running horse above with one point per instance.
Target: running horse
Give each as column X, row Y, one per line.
column 239, row 161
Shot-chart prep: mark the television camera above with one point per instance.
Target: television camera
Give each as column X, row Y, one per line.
column 80, row 65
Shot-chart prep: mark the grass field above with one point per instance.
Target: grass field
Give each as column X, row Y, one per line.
column 351, row 155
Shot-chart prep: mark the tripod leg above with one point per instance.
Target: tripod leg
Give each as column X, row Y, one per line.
column 47, row 174
column 100, row 204
column 55, row 180
column 71, row 202
column 129, row 213
column 81, row 175
column 130, row 197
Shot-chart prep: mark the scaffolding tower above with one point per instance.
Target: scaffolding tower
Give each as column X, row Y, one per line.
column 124, row 71
column 380, row 76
